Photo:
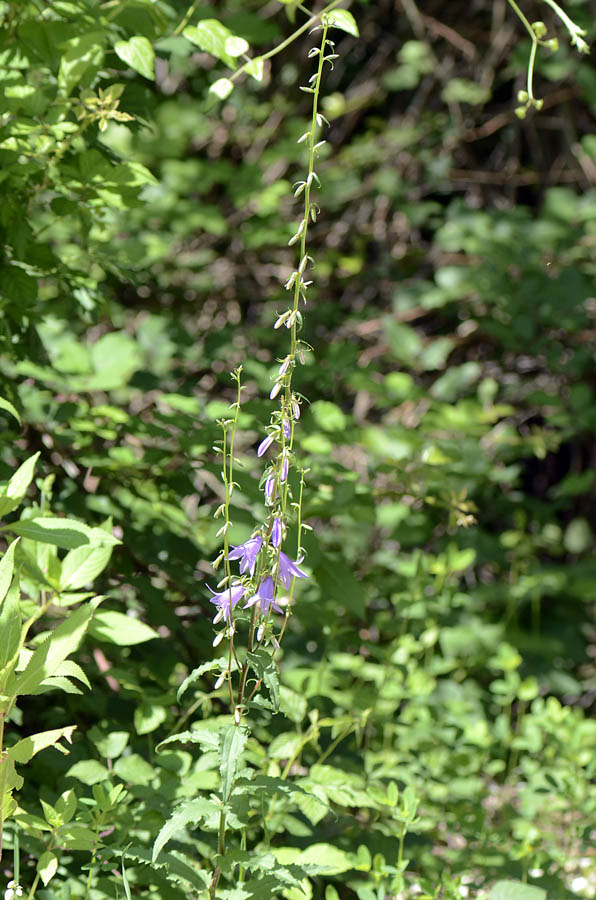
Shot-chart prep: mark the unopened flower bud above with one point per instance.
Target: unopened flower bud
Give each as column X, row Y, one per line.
column 265, row 444
column 219, row 682
column 237, row 716
column 276, row 533
column 269, row 487
column 285, row 465
column 260, row 632
column 275, row 390
column 287, row 429
column 218, row 639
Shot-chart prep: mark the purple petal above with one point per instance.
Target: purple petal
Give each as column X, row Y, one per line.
column 265, row 444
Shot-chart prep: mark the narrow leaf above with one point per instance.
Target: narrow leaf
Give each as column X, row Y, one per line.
column 10, row 626
column 232, row 743
column 7, row 405
column 263, row 665
column 6, row 570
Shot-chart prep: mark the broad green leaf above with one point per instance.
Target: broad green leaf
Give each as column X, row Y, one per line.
column 81, row 565
column 47, row 866
column 18, row 485
column 232, row 743
column 10, row 628
column 139, row 54
column 236, row 46
column 7, row 405
column 89, row 771
column 211, row 36
column 262, row 663
column 64, row 640
column 66, row 533
column 118, row 628
column 148, row 716
column 134, row 769
column 191, row 812
column 327, row 858
column 256, row 68
column 222, row 88
column 81, row 60
column 344, row 20
column 6, row 570
column 516, row 890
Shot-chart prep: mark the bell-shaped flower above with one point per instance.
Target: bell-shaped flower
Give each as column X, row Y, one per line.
column 226, row 600
column 288, row 570
column 247, row 554
column 264, row 597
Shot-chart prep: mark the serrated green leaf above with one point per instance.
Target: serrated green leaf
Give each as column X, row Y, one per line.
column 47, row 658
column 261, row 662
column 214, row 665
column 139, row 54
column 191, row 812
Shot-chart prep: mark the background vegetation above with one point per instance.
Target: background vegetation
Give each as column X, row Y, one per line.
column 438, row 675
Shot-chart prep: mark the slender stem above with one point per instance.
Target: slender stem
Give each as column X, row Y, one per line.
column 522, row 18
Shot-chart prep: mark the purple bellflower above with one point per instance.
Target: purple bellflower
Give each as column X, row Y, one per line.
column 264, row 596
column 247, row 554
column 226, row 600
column 287, row 429
column 288, row 570
column 285, row 466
